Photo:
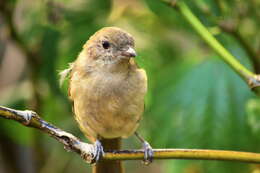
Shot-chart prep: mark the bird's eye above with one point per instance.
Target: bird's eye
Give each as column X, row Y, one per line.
column 106, row 44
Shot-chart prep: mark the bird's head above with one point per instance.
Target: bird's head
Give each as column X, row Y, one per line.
column 110, row 45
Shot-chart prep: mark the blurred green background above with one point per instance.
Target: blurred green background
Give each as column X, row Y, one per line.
column 194, row 99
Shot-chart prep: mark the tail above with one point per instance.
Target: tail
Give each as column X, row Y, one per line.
column 109, row 166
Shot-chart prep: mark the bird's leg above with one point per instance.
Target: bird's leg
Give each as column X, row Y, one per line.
column 99, row 152
column 148, row 151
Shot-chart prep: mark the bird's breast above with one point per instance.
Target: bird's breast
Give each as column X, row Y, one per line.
column 110, row 105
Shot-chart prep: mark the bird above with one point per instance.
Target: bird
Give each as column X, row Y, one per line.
column 107, row 89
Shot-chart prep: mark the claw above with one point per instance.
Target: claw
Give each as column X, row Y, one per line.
column 27, row 116
column 148, row 153
column 99, row 152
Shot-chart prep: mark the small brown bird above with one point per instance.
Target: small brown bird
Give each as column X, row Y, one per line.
column 108, row 89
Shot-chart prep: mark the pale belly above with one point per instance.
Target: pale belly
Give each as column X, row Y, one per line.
column 110, row 107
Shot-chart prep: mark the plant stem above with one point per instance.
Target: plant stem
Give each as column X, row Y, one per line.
column 252, row 79
column 212, row 41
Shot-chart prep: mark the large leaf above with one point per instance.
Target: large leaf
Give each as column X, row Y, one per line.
column 206, row 109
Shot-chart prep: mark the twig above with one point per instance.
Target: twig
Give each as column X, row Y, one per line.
column 249, row 50
column 248, row 76
column 72, row 143
column 193, row 154
column 31, row 119
column 231, row 28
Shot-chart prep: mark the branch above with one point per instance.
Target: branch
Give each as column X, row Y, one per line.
column 72, row 143
column 231, row 27
column 253, row 80
column 193, row 154
column 32, row 119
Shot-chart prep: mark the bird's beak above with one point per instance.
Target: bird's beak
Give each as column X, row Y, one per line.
column 130, row 52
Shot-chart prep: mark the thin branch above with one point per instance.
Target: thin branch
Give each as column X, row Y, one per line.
column 193, row 154
column 249, row 50
column 231, row 27
column 32, row 119
column 248, row 76
column 72, row 143
column 212, row 42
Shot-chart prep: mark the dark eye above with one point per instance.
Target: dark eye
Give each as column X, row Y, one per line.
column 106, row 44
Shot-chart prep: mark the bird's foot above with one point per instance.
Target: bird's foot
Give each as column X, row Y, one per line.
column 27, row 116
column 148, row 153
column 98, row 151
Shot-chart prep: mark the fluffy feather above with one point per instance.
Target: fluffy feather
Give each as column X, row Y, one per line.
column 65, row 73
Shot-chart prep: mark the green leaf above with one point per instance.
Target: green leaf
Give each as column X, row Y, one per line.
column 205, row 109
